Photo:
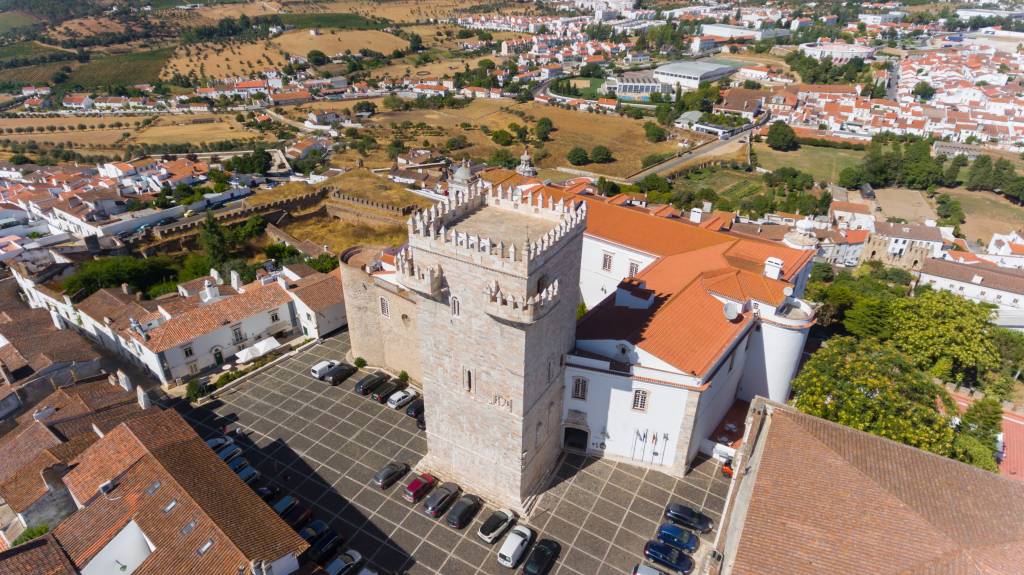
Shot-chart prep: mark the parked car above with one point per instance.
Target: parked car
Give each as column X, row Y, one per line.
column 421, row 422
column 229, row 452
column 415, row 408
column 401, row 397
column 323, row 548
column 441, row 499
column 248, row 474
column 297, row 516
column 678, row 537
column 320, row 368
column 495, row 525
column 514, row 546
column 339, row 373
column 215, row 443
column 282, row 505
column 370, row 382
column 688, row 517
column 389, row 474
column 188, row 213
column 268, row 492
column 238, row 463
column 418, row 487
column 313, row 530
column 462, row 511
column 669, row 556
column 646, row 570
column 384, row 391
column 344, row 563
column 542, row 558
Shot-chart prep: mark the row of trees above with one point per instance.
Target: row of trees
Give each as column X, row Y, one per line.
column 880, row 373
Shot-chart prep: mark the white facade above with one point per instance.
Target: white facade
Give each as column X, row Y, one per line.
column 603, row 266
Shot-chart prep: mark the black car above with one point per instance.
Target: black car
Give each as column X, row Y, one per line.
column 441, row 499
column 339, row 373
column 389, row 474
column 688, row 517
column 463, row 511
column 297, row 516
column 384, row 391
column 544, row 554
column 421, row 422
column 323, row 548
column 370, row 382
column 268, row 492
column 415, row 409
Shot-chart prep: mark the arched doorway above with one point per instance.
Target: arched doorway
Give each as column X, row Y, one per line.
column 218, row 356
column 576, row 439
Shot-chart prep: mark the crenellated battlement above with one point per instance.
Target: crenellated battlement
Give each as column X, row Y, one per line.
column 424, row 279
column 501, row 228
column 521, row 309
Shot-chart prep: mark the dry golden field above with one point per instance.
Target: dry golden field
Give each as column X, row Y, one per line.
column 215, row 12
column 224, row 60
column 448, row 66
column 331, row 42
column 89, row 122
column 431, row 39
column 407, row 10
column 623, row 136
column 101, row 139
column 181, row 129
column 85, row 27
column 339, row 235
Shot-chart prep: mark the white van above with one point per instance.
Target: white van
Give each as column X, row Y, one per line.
column 320, row 369
column 514, row 547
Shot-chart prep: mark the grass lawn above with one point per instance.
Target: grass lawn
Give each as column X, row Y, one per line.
column 824, row 164
column 590, row 88
column 319, row 20
column 987, row 213
column 124, row 69
column 11, row 20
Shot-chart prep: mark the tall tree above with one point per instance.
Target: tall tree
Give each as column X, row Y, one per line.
column 213, row 241
column 781, row 137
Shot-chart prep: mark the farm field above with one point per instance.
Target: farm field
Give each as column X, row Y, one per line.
column 440, row 68
column 93, row 139
column 125, row 69
column 431, row 39
column 11, row 20
column 824, row 164
column 182, row 129
column 910, row 205
column 26, row 50
column 734, row 185
column 987, row 213
column 38, row 74
column 572, row 129
column 214, row 11
column 331, row 42
column 413, row 10
column 91, row 123
column 86, row 27
column 223, row 60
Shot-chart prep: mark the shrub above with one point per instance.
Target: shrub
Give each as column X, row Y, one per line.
column 30, row 534
column 578, row 157
column 403, row 377
column 601, row 155
column 360, row 362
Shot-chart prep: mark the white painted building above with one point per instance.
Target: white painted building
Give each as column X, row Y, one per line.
column 1005, row 250
column 981, row 283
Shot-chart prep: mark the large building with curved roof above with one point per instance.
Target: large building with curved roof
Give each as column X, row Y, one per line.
column 689, row 74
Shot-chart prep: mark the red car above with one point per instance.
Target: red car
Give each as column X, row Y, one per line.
column 418, row 487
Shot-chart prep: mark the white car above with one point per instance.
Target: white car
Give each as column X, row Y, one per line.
column 496, row 525
column 318, row 370
column 514, row 547
column 344, row 563
column 401, row 397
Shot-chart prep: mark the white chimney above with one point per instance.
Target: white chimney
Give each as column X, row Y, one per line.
column 695, row 215
column 236, row 280
column 144, row 401
column 216, row 277
column 707, row 206
column 773, row 268
column 124, row 381
column 210, row 292
column 44, row 412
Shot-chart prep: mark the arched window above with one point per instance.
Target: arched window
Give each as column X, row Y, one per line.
column 456, row 307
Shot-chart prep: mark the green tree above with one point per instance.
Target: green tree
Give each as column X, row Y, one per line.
column 972, row 451
column 781, row 137
column 212, row 240
column 317, row 58
column 869, row 317
column 980, row 175
column 543, row 129
column 601, row 155
column 946, row 334
column 923, row 90
column 654, row 132
column 502, row 137
column 578, row 157
column 872, row 387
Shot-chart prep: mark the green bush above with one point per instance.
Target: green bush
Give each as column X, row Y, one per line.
column 30, row 534
column 360, row 362
column 192, row 391
column 403, row 377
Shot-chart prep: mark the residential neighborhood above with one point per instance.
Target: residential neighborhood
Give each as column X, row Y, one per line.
column 555, row 287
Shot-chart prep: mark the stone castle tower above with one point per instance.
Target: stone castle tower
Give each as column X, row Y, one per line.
column 495, row 273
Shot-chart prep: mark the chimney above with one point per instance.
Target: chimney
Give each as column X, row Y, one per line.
column 216, row 277
column 773, row 268
column 144, row 401
column 695, row 215
column 126, row 289
column 236, row 280
column 124, row 381
column 43, row 413
column 707, row 206
column 210, row 291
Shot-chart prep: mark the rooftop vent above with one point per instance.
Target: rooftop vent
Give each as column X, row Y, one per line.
column 107, row 487
column 732, row 310
column 44, row 412
column 977, row 279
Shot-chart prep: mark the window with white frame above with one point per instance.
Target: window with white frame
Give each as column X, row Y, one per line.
column 384, row 309
column 606, row 262
column 640, row 400
column 634, row 268
column 579, row 388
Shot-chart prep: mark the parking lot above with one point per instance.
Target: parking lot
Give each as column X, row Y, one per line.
column 323, row 444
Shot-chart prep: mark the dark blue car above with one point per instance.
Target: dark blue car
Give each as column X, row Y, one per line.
column 678, row 537
column 668, row 556
column 688, row 517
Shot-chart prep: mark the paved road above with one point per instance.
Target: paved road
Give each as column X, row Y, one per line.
column 285, row 120
column 674, row 163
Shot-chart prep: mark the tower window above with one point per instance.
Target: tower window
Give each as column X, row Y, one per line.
column 455, row 307
column 640, row 400
column 579, row 388
column 384, row 310
column 606, row 262
column 468, row 380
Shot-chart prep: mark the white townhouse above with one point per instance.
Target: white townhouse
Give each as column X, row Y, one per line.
column 981, row 283
column 1005, row 250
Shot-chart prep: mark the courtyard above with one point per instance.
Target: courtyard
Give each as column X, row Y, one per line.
column 323, row 444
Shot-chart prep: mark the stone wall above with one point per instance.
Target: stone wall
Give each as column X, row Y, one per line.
column 877, row 249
